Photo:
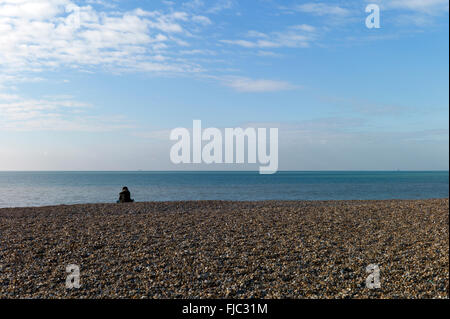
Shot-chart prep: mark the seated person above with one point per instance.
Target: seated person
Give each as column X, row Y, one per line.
column 125, row 196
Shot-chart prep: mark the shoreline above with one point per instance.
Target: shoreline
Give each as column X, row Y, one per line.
column 232, row 201
column 227, row 249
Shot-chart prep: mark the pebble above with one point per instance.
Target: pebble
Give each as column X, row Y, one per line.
column 219, row 249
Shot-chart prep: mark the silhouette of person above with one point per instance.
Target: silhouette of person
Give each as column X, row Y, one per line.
column 125, row 196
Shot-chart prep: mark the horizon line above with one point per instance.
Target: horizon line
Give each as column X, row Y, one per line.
column 236, row 171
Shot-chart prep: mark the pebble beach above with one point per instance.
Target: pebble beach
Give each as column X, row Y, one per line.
column 220, row 249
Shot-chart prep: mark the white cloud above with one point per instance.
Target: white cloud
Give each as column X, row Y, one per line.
column 268, row 54
column 322, row 9
column 304, row 27
column 242, row 43
column 57, row 113
column 425, row 6
column 32, row 9
column 419, row 13
column 258, row 85
column 197, row 52
column 194, row 4
column 36, row 35
column 221, row 5
column 8, row 97
column 256, row 34
column 299, row 36
column 103, row 3
column 202, row 20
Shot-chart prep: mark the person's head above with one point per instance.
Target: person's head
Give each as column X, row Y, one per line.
column 124, row 188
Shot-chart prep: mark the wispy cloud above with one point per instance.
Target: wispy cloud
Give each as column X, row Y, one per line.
column 57, row 113
column 107, row 4
column 193, row 4
column 242, row 84
column 346, row 130
column 8, row 97
column 424, row 6
column 221, row 5
column 418, row 13
column 211, row 7
column 202, row 20
column 322, row 9
column 160, row 135
column 297, row 36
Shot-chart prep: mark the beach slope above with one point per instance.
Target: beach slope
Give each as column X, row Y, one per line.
column 218, row 249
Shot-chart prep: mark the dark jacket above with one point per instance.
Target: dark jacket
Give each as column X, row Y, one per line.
column 125, row 197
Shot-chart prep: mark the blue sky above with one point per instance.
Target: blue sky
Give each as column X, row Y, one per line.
column 98, row 85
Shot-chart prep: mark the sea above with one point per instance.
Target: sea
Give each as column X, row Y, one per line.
column 22, row 189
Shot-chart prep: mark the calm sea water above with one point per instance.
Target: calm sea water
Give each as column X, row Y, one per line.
column 50, row 188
